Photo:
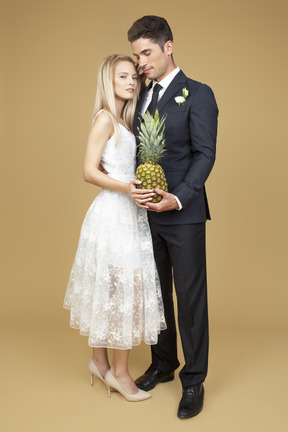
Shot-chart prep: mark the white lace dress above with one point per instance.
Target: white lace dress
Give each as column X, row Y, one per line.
column 113, row 292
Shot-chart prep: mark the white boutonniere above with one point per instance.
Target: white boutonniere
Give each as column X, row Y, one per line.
column 180, row 100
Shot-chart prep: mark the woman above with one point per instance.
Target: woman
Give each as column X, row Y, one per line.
column 113, row 292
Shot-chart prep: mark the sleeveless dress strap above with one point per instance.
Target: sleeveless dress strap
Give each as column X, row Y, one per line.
column 102, row 110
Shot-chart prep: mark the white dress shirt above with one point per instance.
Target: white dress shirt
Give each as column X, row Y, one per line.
column 164, row 84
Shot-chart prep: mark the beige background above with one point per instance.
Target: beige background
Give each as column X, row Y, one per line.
column 50, row 56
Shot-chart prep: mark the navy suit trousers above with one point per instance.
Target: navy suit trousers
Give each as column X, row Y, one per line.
column 180, row 254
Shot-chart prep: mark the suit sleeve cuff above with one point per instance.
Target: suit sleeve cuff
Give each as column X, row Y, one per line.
column 178, row 202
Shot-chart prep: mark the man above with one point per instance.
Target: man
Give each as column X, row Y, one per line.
column 178, row 222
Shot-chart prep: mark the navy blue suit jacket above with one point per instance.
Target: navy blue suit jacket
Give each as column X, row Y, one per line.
column 190, row 135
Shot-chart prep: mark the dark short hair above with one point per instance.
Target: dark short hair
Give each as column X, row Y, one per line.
column 151, row 27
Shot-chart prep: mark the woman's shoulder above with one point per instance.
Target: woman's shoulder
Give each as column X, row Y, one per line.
column 102, row 119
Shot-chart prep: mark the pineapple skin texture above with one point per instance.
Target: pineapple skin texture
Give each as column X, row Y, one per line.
column 152, row 176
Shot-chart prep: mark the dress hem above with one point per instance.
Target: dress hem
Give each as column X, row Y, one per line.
column 115, row 347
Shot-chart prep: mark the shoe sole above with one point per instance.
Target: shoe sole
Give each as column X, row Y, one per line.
column 190, row 415
column 167, row 379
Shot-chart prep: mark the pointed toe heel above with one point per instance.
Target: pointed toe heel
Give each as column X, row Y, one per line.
column 112, row 383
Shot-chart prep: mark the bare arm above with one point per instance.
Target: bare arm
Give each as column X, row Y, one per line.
column 101, row 131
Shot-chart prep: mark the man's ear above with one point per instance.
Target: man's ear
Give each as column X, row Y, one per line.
column 168, row 47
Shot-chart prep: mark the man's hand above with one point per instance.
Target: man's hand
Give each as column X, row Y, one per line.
column 167, row 203
column 101, row 169
column 140, row 196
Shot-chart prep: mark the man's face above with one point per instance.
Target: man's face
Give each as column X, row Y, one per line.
column 154, row 62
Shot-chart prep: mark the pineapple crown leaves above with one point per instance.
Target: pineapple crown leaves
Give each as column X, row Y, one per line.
column 151, row 137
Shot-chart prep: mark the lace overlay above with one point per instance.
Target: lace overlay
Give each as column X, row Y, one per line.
column 114, row 292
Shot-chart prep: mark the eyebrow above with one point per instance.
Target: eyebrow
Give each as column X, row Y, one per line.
column 142, row 52
column 126, row 73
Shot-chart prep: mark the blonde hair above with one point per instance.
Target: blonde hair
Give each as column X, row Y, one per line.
column 105, row 97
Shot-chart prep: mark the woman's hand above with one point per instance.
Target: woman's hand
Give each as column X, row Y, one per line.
column 142, row 77
column 140, row 196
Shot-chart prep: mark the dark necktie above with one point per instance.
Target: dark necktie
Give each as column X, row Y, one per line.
column 152, row 106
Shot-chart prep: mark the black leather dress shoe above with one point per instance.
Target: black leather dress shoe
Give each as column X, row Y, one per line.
column 152, row 377
column 192, row 401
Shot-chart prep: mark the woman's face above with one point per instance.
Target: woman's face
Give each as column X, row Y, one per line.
column 125, row 80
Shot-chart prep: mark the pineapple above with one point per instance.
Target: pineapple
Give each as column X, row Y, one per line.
column 151, row 150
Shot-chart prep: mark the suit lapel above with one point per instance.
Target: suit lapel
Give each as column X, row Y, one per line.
column 177, row 84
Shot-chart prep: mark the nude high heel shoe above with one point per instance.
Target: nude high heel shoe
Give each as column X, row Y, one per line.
column 93, row 369
column 111, row 381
